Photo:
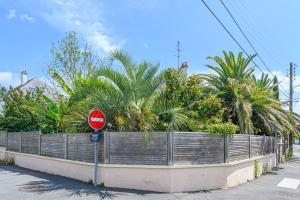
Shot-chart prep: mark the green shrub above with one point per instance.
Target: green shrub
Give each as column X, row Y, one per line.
column 90, row 182
column 7, row 161
column 256, row 169
column 289, row 154
column 227, row 128
column 101, row 185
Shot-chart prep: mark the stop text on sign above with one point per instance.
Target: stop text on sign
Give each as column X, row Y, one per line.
column 96, row 119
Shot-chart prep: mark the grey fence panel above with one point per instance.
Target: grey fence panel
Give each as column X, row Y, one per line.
column 2, row 139
column 198, row 148
column 269, row 145
column 133, row 148
column 257, row 145
column 80, row 148
column 30, row 143
column 53, row 145
column 238, row 147
column 13, row 143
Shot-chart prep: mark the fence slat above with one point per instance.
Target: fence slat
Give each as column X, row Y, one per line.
column 30, row 142
column 134, row 148
column 226, row 149
column 13, row 141
column 106, row 147
column 198, row 148
column 3, row 139
column 52, row 145
column 80, row 148
column 238, row 147
column 170, row 148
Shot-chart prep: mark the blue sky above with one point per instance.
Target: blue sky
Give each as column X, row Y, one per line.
column 148, row 29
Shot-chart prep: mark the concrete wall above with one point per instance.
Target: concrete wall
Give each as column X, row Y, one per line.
column 178, row 178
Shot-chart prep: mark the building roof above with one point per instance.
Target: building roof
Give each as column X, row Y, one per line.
column 32, row 84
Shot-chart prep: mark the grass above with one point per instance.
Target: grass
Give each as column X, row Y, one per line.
column 7, row 161
column 101, row 185
column 91, row 182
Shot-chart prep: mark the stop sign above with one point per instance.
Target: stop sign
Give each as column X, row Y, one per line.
column 96, row 119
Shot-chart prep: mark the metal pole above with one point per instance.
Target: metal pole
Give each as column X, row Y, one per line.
column 96, row 163
column 291, row 76
column 250, row 148
column 6, row 141
column 276, row 149
column 291, row 92
column 39, row 144
column 20, row 142
column 170, row 147
column 106, row 147
column 66, row 146
column 226, row 150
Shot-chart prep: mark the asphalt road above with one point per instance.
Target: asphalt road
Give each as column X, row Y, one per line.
column 22, row 184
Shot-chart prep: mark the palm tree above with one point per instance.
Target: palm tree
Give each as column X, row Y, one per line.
column 136, row 95
column 268, row 112
column 252, row 100
column 232, row 80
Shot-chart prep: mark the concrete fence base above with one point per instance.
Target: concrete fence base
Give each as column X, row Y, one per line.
column 177, row 178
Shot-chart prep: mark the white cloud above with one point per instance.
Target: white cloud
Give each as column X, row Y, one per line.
column 26, row 17
column 5, row 76
column 11, row 14
column 9, row 79
column 284, row 87
column 284, row 80
column 101, row 40
column 82, row 16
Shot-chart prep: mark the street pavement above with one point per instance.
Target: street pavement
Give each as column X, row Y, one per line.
column 22, row 184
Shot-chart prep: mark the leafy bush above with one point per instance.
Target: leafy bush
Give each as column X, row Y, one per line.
column 7, row 161
column 256, row 169
column 208, row 107
column 227, row 128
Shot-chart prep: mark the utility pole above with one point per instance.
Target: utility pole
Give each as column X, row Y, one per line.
column 291, row 100
column 291, row 91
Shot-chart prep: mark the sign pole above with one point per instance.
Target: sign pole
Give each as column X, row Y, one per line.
column 96, row 120
column 95, row 163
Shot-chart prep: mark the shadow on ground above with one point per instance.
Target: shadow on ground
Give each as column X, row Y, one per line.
column 70, row 187
column 294, row 160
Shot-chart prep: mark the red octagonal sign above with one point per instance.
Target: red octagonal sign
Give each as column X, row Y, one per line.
column 96, row 119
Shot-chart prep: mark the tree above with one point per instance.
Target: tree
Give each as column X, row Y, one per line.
column 252, row 100
column 232, row 80
column 276, row 88
column 134, row 90
column 202, row 109
column 269, row 114
column 73, row 68
column 15, row 115
column 71, row 62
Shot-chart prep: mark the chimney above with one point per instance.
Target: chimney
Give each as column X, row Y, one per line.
column 24, row 77
column 183, row 68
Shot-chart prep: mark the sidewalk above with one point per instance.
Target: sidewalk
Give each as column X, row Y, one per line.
column 18, row 183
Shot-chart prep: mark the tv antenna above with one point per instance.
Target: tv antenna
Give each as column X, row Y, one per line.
column 178, row 49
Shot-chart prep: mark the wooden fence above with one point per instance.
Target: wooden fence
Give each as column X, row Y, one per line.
column 134, row 148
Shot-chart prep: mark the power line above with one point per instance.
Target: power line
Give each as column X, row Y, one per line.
column 232, row 37
column 245, row 36
column 258, row 33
